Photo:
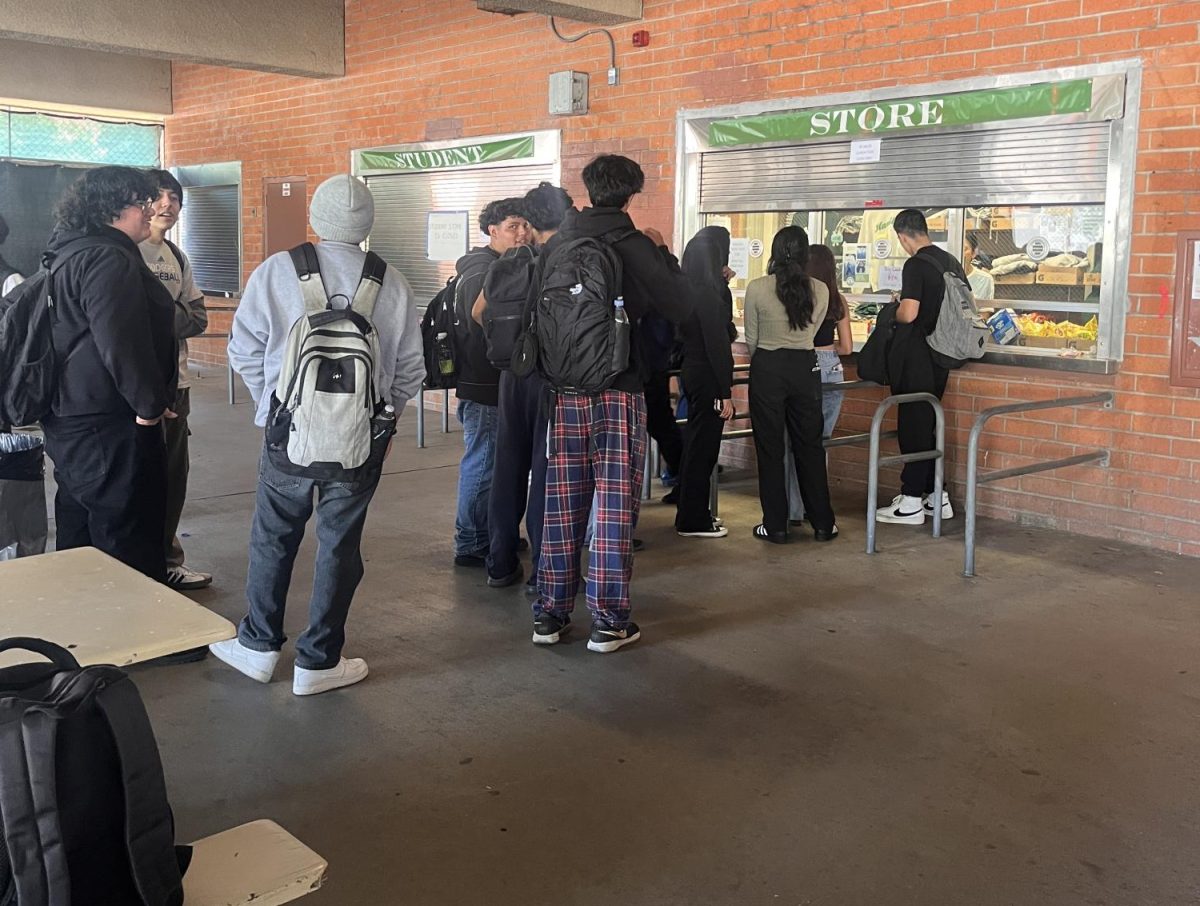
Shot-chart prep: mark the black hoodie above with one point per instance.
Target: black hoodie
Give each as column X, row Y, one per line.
column 478, row 379
column 707, row 354
column 651, row 276
column 114, row 331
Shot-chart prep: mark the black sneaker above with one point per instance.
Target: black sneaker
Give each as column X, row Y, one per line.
column 638, row 544
column 547, row 628
column 531, row 588
column 605, row 639
column 504, row 581
column 191, row 656
column 672, row 496
column 477, row 558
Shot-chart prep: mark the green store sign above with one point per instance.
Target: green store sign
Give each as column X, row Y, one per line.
column 903, row 114
column 448, row 158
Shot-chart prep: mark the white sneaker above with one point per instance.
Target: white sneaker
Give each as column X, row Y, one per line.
column 947, row 510
column 313, row 682
column 903, row 510
column 184, row 579
column 258, row 665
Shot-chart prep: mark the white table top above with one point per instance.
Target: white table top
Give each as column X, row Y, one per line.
column 103, row 611
column 257, row 863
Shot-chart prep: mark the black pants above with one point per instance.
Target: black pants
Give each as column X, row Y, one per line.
column 785, row 395
column 660, row 420
column 916, row 425
column 519, row 474
column 176, row 433
column 701, row 450
column 112, row 486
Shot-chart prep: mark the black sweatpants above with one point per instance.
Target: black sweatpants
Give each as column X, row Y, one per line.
column 519, row 474
column 916, row 425
column 701, row 450
column 660, row 420
column 785, row 395
column 112, row 485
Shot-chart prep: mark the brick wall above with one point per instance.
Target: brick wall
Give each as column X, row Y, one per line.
column 419, row 71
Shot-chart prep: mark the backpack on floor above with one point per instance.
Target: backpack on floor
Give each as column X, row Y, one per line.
column 322, row 422
column 440, row 331
column 506, row 289
column 27, row 358
column 583, row 335
column 960, row 334
column 83, row 801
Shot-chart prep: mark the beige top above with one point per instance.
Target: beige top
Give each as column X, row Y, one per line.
column 766, row 319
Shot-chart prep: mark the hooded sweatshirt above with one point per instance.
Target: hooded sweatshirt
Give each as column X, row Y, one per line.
column 707, row 354
column 273, row 302
column 114, row 330
column 651, row 279
column 478, row 379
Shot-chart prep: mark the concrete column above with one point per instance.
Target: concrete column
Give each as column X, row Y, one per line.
column 602, row 12
column 298, row 37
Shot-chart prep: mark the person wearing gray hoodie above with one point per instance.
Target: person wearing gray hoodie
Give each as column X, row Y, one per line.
column 342, row 213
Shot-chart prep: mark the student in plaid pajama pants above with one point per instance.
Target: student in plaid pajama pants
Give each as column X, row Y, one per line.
column 597, row 440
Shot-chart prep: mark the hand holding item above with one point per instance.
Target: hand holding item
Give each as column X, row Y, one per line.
column 724, row 409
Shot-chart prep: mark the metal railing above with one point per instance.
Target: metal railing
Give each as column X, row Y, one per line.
column 974, row 479
column 937, row 454
column 226, row 335
column 421, row 415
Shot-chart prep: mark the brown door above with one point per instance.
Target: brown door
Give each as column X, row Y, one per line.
column 285, row 214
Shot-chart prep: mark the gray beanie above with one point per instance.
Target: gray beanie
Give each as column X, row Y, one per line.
column 342, row 209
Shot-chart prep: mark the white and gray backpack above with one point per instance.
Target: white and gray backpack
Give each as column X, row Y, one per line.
column 960, row 334
column 322, row 414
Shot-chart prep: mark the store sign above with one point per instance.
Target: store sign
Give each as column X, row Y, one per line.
column 908, row 114
column 448, row 158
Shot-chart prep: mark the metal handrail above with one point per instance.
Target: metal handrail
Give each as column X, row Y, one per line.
column 974, row 479
column 937, row 454
column 421, row 415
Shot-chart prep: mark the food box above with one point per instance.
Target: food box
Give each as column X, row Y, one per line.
column 1004, row 328
column 1091, row 279
column 1001, row 223
column 1056, row 343
column 1060, row 276
column 1010, row 279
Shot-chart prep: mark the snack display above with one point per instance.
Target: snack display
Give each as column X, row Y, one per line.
column 1036, row 324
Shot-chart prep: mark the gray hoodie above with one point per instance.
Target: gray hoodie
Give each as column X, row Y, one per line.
column 272, row 303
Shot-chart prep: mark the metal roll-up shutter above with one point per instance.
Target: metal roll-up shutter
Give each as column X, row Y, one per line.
column 403, row 202
column 210, row 233
column 1031, row 165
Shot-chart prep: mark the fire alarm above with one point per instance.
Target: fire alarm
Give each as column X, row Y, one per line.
column 641, row 39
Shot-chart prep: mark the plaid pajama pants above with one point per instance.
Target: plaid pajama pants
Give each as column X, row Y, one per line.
column 597, row 448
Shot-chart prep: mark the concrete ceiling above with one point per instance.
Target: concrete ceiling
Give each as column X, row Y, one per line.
column 600, row 12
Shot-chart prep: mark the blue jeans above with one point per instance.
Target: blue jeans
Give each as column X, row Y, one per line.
column 282, row 509
column 831, row 407
column 479, row 423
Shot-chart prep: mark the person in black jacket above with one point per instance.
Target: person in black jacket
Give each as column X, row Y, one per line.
column 478, row 386
column 707, row 377
column 597, row 443
column 114, row 335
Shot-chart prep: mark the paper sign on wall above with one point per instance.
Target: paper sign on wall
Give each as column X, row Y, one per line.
column 891, row 277
column 739, row 257
column 865, row 150
column 448, row 235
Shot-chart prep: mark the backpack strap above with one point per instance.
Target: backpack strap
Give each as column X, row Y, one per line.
column 308, row 270
column 149, row 829
column 27, row 800
column 612, row 237
column 369, row 285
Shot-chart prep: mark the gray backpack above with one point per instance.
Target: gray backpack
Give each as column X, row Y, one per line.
column 321, row 417
column 960, row 334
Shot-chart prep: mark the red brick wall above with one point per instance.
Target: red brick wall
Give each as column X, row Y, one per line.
column 418, row 71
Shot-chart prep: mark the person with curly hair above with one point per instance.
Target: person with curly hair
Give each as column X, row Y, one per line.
column 114, row 336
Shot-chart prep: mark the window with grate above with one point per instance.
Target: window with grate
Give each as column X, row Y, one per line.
column 210, row 233
column 34, row 135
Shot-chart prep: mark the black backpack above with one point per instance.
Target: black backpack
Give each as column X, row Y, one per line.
column 506, row 289
column 582, row 339
column 82, row 795
column 440, row 332
column 27, row 358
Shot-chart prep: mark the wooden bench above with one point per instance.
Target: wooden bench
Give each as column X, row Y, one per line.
column 257, row 863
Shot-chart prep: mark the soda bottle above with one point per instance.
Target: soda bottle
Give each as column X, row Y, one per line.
column 620, row 359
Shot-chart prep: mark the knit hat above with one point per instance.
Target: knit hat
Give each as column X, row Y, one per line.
column 342, row 209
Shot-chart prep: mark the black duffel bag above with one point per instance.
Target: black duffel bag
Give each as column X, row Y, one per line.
column 82, row 795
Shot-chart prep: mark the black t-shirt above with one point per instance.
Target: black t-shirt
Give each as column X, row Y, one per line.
column 922, row 280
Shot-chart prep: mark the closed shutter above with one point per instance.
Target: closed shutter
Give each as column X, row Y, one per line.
column 1034, row 165
column 210, row 233
column 403, row 202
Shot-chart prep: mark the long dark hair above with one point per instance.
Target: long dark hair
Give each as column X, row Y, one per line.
column 789, row 264
column 823, row 267
column 706, row 254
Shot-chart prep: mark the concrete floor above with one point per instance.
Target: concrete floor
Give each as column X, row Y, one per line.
column 798, row 725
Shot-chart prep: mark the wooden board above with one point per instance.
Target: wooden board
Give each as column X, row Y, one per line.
column 1015, row 279
column 99, row 608
column 257, row 863
column 1060, row 276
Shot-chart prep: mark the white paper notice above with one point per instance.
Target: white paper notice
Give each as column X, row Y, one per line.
column 448, row 235
column 865, row 151
column 739, row 257
column 891, row 278
column 1196, row 272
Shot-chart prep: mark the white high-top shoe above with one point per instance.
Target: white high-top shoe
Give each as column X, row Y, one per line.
column 947, row 509
column 903, row 510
